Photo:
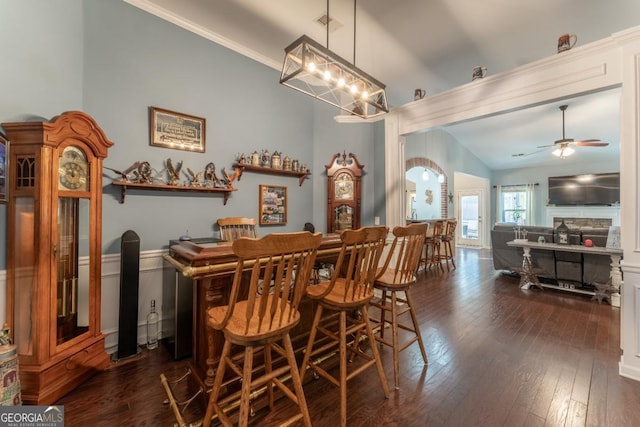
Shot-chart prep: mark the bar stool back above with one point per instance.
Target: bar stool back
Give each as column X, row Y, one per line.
column 433, row 244
column 394, row 279
column 447, row 238
column 280, row 267
column 346, row 297
column 234, row 227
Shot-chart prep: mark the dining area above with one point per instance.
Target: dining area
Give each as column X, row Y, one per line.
column 266, row 326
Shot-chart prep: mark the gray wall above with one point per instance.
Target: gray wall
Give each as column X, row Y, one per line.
column 42, row 69
column 541, row 176
column 114, row 61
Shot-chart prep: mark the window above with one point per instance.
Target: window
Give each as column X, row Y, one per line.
column 516, row 204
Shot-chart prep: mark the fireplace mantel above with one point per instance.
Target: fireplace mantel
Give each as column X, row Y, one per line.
column 612, row 212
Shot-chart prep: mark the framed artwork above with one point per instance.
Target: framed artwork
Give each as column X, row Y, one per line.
column 4, row 156
column 176, row 130
column 272, row 205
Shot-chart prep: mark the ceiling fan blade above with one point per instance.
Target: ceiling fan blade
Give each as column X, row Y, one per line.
column 544, row 148
column 590, row 143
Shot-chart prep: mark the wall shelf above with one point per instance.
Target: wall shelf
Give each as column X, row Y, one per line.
column 241, row 167
column 163, row 187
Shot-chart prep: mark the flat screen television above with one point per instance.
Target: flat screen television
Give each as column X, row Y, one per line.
column 601, row 189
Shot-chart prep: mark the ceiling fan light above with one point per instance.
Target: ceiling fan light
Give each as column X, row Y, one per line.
column 568, row 151
column 557, row 152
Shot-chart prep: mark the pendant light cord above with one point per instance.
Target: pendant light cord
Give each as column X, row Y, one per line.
column 328, row 22
column 354, row 28
column 354, row 32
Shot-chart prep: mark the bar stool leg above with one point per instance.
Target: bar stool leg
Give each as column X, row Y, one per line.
column 394, row 331
column 217, row 384
column 297, row 382
column 416, row 328
column 245, row 397
column 343, row 368
column 376, row 353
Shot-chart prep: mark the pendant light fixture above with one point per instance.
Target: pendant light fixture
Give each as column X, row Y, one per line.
column 315, row 70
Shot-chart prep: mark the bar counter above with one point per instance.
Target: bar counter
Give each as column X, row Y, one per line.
column 211, row 267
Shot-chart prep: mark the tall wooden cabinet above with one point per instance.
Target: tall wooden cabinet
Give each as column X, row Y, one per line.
column 54, row 242
column 344, row 174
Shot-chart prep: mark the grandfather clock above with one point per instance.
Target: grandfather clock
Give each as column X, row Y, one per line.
column 54, row 246
column 343, row 206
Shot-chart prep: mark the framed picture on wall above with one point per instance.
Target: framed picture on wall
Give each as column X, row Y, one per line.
column 176, row 130
column 272, row 205
column 4, row 156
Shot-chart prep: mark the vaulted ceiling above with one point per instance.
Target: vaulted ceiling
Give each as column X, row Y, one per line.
column 433, row 45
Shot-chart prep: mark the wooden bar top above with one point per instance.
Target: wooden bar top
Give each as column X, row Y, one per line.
column 200, row 260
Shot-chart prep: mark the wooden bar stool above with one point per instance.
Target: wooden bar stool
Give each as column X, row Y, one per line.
column 346, row 297
column 233, row 227
column 424, row 253
column 433, row 244
column 396, row 277
column 448, row 237
column 280, row 268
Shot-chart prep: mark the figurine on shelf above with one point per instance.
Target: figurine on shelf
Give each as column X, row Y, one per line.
column 286, row 163
column 196, row 178
column 242, row 159
column 124, row 175
column 276, row 160
column 210, row 177
column 295, row 165
column 255, row 159
column 265, row 159
column 143, row 174
column 303, row 169
column 226, row 179
column 174, row 173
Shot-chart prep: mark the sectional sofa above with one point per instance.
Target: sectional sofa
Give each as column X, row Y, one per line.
column 581, row 269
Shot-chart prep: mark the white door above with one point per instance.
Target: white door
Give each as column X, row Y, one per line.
column 469, row 218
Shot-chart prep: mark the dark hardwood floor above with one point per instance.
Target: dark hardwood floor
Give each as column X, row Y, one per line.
column 498, row 356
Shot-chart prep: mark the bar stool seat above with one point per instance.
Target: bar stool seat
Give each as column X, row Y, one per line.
column 346, row 297
column 395, row 279
column 262, row 321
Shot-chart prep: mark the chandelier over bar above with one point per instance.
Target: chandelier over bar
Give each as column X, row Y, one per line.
column 313, row 69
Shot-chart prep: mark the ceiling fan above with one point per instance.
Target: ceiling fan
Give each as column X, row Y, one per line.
column 564, row 146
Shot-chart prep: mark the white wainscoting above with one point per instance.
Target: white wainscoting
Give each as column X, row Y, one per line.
column 609, row 212
column 154, row 271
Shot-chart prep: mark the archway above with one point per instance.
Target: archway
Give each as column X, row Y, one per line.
column 423, row 162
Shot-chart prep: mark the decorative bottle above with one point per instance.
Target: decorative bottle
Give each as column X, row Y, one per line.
column 152, row 327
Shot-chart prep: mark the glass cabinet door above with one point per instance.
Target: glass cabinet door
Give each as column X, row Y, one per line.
column 72, row 261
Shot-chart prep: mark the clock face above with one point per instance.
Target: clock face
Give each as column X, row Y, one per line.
column 343, row 187
column 73, row 170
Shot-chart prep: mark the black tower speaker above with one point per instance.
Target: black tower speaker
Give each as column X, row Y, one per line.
column 129, row 282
